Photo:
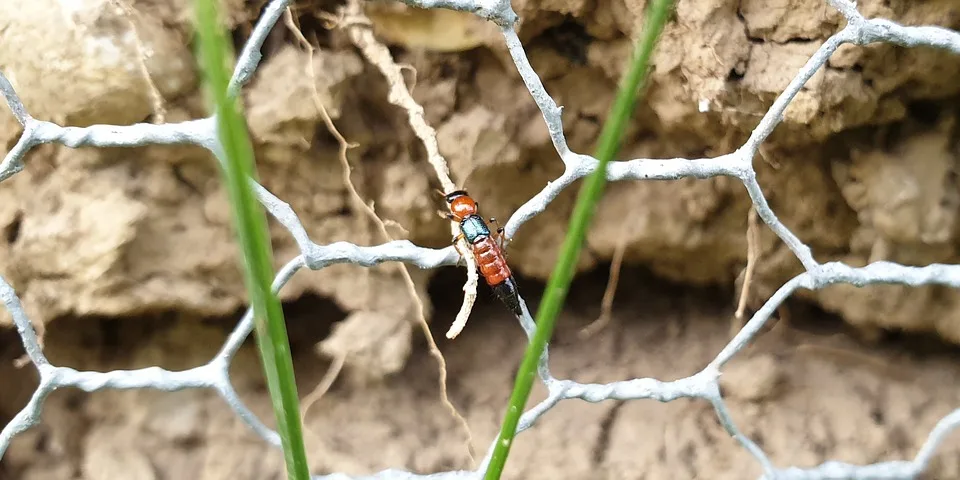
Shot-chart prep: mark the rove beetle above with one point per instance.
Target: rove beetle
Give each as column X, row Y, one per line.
column 487, row 247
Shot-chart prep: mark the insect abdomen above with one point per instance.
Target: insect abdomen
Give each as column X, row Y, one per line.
column 495, row 271
column 490, row 260
column 508, row 293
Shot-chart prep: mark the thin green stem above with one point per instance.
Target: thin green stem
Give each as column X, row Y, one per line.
column 590, row 192
column 251, row 228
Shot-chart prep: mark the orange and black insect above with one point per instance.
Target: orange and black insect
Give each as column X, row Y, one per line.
column 487, row 247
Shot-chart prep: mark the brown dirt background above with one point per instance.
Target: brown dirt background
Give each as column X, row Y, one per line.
column 805, row 395
column 125, row 256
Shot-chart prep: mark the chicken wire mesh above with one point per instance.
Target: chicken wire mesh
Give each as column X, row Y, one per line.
column 702, row 385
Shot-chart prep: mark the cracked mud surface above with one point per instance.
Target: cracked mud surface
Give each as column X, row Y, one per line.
column 805, row 394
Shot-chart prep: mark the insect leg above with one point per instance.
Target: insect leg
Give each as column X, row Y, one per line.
column 455, row 246
column 499, row 234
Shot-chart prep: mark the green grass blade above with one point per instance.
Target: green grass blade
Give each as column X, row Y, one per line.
column 251, row 228
column 590, row 192
column 623, row 106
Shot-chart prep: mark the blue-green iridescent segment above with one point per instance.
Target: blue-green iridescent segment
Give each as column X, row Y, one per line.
column 473, row 227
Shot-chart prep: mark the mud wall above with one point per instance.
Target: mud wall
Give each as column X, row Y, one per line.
column 863, row 167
